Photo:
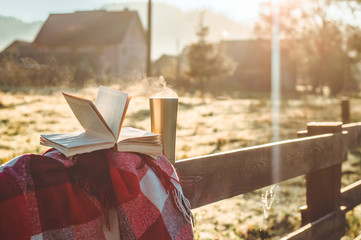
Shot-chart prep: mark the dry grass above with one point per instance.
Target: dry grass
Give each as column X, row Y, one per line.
column 204, row 127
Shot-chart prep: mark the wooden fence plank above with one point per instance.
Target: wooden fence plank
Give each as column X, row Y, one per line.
column 353, row 137
column 345, row 110
column 211, row 178
column 351, row 195
column 354, row 134
column 322, row 186
column 330, row 227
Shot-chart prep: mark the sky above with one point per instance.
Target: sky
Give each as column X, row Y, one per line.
column 35, row 10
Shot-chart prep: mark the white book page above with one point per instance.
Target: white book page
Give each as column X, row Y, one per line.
column 145, row 149
column 74, row 143
column 112, row 104
column 75, row 139
column 129, row 132
column 89, row 117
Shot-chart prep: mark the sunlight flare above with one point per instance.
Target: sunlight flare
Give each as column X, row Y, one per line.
column 269, row 196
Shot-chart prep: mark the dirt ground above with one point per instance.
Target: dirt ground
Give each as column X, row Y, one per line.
column 205, row 126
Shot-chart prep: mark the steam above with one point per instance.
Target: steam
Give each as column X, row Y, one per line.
column 152, row 88
column 268, row 198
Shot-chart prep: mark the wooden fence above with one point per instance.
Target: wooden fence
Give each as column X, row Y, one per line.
column 318, row 154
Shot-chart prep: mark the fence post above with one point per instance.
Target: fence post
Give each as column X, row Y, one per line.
column 322, row 186
column 345, row 110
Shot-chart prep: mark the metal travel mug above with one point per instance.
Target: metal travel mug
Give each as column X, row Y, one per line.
column 163, row 118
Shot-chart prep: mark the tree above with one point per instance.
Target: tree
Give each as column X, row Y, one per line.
column 206, row 61
column 325, row 45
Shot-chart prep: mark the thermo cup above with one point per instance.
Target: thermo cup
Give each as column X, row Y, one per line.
column 163, row 118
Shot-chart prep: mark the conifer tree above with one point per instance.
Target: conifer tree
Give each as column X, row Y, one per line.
column 207, row 62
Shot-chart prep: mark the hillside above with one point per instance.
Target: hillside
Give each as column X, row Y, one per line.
column 12, row 28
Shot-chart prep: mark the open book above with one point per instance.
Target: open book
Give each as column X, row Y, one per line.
column 102, row 123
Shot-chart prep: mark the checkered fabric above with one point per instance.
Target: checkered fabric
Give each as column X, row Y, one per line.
column 40, row 200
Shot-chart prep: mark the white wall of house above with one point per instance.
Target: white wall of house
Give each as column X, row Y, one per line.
column 128, row 58
column 132, row 51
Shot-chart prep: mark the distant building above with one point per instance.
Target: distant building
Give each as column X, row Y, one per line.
column 20, row 65
column 168, row 67
column 253, row 59
column 253, row 66
column 20, row 48
column 112, row 43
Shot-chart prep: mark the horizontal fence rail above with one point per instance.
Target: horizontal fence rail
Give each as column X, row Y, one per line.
column 211, row 178
column 331, row 226
column 354, row 134
column 351, row 195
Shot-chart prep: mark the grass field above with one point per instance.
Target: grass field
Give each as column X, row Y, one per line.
column 205, row 126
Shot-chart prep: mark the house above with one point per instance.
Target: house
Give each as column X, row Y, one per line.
column 167, row 66
column 253, row 59
column 19, row 48
column 19, row 66
column 111, row 42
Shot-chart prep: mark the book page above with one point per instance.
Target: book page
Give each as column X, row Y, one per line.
column 74, row 143
column 89, row 117
column 136, row 140
column 134, row 133
column 153, row 149
column 112, row 104
column 74, row 139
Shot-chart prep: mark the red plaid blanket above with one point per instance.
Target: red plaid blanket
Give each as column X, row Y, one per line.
column 104, row 195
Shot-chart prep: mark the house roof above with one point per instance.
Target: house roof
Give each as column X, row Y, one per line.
column 86, row 27
column 252, row 50
column 19, row 47
column 164, row 59
column 16, row 44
